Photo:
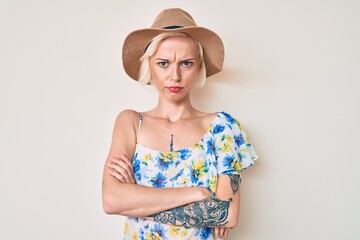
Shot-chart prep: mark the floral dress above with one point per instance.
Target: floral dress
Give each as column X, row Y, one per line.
column 224, row 149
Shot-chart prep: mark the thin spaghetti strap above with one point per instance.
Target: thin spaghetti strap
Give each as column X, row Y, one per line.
column 138, row 130
column 140, row 121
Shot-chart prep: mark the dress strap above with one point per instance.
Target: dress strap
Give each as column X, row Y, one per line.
column 138, row 129
column 140, row 121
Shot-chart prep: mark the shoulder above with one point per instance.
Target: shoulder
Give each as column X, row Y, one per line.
column 128, row 114
column 127, row 118
column 124, row 133
column 226, row 124
column 227, row 118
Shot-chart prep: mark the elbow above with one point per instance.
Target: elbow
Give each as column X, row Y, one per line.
column 109, row 206
column 108, row 209
column 112, row 205
column 233, row 219
column 233, row 222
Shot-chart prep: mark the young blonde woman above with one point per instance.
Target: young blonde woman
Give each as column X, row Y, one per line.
column 175, row 171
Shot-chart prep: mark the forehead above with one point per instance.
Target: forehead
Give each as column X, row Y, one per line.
column 181, row 46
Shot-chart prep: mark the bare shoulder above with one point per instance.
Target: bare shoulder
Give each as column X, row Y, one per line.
column 124, row 133
column 127, row 119
column 128, row 114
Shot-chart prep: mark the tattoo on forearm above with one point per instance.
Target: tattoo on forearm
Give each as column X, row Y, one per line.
column 234, row 182
column 210, row 212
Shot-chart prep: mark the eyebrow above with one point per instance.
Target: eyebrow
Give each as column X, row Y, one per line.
column 187, row 59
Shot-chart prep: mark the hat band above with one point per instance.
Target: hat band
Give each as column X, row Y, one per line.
column 172, row 27
column 167, row 27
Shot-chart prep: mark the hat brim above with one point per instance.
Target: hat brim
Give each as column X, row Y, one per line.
column 136, row 42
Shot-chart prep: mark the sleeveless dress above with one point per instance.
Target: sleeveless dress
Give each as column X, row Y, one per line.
column 223, row 150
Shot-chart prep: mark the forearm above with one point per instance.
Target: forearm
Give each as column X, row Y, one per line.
column 221, row 210
column 209, row 212
column 133, row 200
column 139, row 201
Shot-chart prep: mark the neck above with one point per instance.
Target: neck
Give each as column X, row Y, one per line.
column 174, row 111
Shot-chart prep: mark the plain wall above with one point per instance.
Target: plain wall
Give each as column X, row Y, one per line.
column 291, row 75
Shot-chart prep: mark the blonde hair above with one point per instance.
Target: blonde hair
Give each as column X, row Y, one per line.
column 145, row 74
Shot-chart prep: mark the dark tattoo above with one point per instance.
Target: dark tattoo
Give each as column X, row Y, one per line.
column 210, row 212
column 234, row 182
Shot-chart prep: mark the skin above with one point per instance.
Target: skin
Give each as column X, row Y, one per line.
column 221, row 232
column 176, row 63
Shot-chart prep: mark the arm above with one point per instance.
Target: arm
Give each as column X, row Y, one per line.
column 221, row 210
column 229, row 187
column 131, row 199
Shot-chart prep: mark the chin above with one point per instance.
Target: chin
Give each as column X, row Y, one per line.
column 177, row 97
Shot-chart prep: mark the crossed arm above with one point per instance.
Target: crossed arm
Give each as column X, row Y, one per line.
column 221, row 210
column 129, row 199
column 176, row 206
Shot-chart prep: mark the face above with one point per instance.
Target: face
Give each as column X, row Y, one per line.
column 175, row 66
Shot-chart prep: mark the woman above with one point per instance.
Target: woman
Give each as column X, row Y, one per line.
column 175, row 171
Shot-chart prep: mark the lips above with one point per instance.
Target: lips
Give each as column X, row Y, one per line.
column 175, row 89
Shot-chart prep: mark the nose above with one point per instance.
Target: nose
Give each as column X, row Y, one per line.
column 176, row 76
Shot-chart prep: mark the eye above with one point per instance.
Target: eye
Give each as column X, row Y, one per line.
column 163, row 64
column 186, row 63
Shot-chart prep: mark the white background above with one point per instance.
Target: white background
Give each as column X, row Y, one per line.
column 291, row 75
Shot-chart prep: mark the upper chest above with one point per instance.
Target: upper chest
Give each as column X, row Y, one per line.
column 159, row 134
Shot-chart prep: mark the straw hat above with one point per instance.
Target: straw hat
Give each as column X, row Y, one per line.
column 172, row 20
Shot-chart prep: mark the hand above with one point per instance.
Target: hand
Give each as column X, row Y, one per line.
column 122, row 169
column 221, row 232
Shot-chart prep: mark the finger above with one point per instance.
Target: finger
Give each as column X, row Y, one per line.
column 111, row 165
column 226, row 234
column 117, row 176
column 129, row 169
column 127, row 160
column 120, row 170
column 127, row 165
column 124, row 164
column 221, row 232
column 125, row 157
column 216, row 231
column 132, row 178
column 113, row 158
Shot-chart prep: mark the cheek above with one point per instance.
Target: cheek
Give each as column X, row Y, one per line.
column 158, row 79
column 159, row 74
column 191, row 76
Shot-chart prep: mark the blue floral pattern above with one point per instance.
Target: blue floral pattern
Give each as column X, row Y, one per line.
column 223, row 149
